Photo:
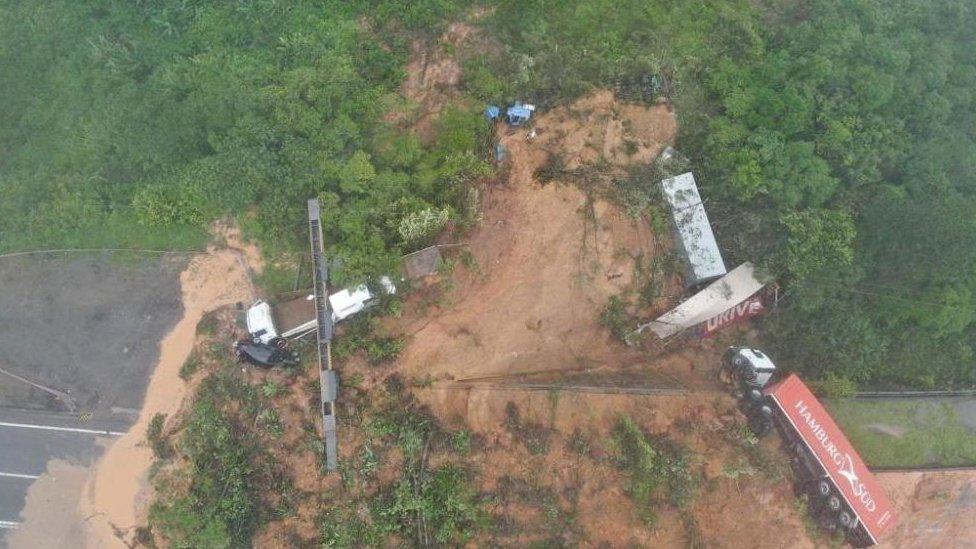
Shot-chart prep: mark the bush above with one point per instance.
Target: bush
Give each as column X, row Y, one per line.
column 616, row 318
column 442, row 508
column 189, row 368
column 658, row 472
column 834, row 386
column 229, row 470
column 160, row 445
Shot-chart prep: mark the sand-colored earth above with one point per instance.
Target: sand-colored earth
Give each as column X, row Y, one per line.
column 114, row 498
column 117, row 494
column 53, row 519
column 935, row 509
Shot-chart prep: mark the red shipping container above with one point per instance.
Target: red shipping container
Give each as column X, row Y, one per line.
column 830, row 447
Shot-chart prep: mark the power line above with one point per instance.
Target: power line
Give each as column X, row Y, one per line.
column 92, row 250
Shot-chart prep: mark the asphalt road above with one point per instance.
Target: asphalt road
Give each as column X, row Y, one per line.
column 31, row 438
column 88, row 325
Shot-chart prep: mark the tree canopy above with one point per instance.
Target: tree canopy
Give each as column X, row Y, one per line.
column 834, row 140
column 138, row 123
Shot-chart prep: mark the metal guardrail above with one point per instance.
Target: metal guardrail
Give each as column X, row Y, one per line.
column 925, row 469
column 914, row 394
column 327, row 378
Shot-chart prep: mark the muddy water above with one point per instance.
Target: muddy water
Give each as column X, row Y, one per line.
column 113, row 501
column 53, row 503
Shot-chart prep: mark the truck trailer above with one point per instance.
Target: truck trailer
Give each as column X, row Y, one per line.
column 295, row 318
column 843, row 493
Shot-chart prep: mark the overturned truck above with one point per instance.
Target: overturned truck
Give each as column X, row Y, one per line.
column 843, row 493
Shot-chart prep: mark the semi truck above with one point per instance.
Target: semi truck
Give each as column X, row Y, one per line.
column 295, row 318
column 844, row 495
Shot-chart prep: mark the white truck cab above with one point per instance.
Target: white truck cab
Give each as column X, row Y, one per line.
column 752, row 366
column 297, row 317
column 260, row 323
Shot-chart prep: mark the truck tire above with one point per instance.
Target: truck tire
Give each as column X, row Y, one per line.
column 799, row 449
column 280, row 343
column 846, row 519
column 833, row 503
column 823, row 487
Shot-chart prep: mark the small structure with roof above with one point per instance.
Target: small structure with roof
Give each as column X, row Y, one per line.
column 693, row 233
column 421, row 264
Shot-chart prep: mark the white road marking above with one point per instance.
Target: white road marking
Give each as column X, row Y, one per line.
column 65, row 429
column 17, row 475
column 9, row 525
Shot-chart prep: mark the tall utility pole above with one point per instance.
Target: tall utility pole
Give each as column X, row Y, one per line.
column 327, row 377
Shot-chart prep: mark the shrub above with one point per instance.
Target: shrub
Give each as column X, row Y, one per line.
column 189, row 368
column 229, row 470
column 657, row 470
column 616, row 318
column 441, row 508
column 419, row 229
column 160, row 445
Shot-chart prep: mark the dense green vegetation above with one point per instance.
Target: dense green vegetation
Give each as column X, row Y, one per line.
column 227, row 466
column 906, row 433
column 425, row 504
column 657, row 471
column 835, row 142
column 138, row 123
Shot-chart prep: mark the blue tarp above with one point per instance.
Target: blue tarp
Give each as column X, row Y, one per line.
column 518, row 114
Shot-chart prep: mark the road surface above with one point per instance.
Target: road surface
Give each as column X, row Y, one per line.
column 29, row 439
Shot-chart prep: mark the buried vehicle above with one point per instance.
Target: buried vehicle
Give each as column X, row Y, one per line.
column 260, row 354
column 295, row 318
column 844, row 494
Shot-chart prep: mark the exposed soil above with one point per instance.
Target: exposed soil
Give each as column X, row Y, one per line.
column 54, row 520
column 935, row 509
column 116, row 495
column 433, row 76
column 546, row 260
column 547, row 256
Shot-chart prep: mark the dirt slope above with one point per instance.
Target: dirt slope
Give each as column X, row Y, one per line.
column 116, row 495
column 936, row 509
column 547, row 257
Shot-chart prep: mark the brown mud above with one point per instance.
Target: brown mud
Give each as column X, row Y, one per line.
column 116, row 496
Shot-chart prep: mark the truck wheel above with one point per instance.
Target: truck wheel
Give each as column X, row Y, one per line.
column 799, row 449
column 846, row 520
column 823, row 488
column 833, row 503
column 280, row 342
